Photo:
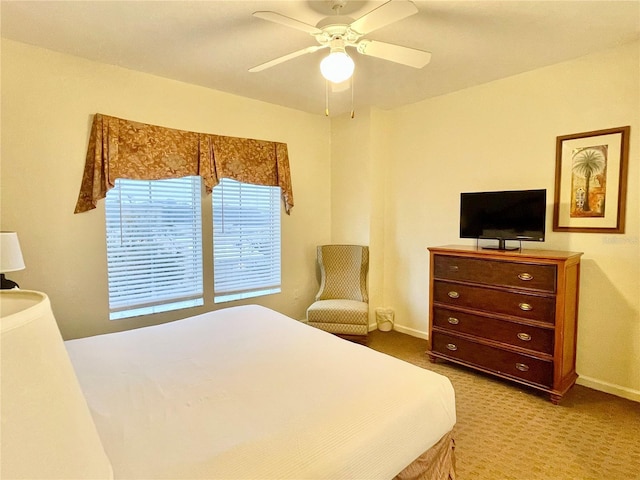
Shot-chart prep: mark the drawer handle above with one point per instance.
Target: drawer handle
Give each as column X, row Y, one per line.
column 453, row 268
column 525, row 276
column 453, row 294
column 524, row 337
column 452, row 347
column 453, row 320
column 525, row 306
column 522, row 367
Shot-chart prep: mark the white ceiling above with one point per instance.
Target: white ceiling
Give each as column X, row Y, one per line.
column 214, row 43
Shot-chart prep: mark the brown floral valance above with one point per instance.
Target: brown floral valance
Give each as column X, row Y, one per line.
column 124, row 149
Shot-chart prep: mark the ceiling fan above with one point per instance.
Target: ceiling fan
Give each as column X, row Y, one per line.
column 337, row 32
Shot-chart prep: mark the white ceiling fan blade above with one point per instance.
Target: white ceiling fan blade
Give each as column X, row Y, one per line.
column 394, row 53
column 284, row 58
column 287, row 21
column 385, row 14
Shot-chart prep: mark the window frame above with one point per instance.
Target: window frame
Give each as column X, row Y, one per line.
column 253, row 240
column 177, row 282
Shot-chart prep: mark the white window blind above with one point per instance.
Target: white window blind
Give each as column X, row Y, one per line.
column 246, row 240
column 154, row 246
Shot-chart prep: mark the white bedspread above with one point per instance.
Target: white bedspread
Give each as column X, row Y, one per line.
column 246, row 392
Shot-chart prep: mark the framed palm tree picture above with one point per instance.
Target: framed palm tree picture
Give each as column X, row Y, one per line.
column 591, row 181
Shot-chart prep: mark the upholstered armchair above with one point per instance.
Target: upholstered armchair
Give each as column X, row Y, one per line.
column 342, row 303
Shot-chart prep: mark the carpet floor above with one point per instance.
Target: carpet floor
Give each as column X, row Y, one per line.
column 507, row 431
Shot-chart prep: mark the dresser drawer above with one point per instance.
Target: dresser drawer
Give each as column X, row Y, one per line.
column 495, row 272
column 525, row 336
column 522, row 305
column 524, row 367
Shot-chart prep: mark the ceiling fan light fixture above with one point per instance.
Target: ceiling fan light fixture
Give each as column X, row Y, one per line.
column 337, row 66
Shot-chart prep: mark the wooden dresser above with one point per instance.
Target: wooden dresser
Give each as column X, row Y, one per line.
column 513, row 314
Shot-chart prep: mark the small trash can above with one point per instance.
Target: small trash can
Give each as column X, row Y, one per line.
column 384, row 319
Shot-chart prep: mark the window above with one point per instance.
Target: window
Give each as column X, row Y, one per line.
column 154, row 246
column 246, row 240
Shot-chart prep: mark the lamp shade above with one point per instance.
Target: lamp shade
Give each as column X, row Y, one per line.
column 337, row 66
column 47, row 428
column 10, row 253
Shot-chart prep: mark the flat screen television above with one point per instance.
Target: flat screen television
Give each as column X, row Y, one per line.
column 507, row 215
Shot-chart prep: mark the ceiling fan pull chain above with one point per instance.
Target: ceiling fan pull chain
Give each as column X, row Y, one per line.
column 326, row 98
column 353, row 114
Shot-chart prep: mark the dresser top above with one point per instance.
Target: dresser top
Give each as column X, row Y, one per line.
column 523, row 254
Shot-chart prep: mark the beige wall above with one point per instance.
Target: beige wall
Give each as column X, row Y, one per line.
column 48, row 100
column 389, row 179
column 501, row 135
column 358, row 159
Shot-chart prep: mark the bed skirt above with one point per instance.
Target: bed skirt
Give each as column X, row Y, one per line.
column 437, row 463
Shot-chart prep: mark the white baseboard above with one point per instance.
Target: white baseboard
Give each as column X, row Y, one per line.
column 407, row 330
column 602, row 386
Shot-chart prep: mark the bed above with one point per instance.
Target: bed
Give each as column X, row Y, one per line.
column 248, row 393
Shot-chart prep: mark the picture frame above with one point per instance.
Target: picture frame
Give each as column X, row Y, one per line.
column 591, row 181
